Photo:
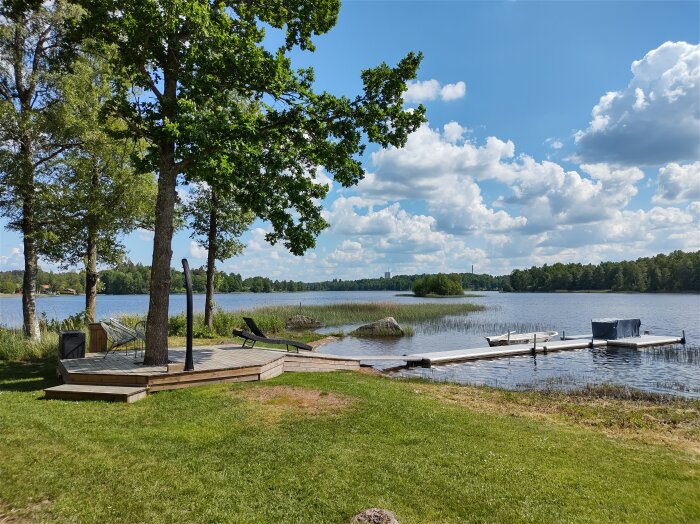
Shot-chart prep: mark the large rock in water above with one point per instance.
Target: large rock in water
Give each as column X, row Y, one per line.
column 386, row 327
column 302, row 322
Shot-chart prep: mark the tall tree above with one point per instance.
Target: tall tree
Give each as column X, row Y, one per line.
column 31, row 131
column 193, row 57
column 216, row 222
column 97, row 194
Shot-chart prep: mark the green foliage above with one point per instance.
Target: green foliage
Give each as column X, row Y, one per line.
column 677, row 271
column 8, row 286
column 204, row 208
column 237, row 113
column 440, row 285
column 95, row 193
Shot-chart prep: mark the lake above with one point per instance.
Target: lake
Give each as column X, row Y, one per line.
column 674, row 369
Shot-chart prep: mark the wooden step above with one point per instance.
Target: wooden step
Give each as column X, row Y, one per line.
column 94, row 392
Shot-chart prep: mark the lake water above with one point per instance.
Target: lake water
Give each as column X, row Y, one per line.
column 672, row 369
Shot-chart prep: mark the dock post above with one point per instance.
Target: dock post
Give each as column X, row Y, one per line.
column 534, row 344
column 683, row 338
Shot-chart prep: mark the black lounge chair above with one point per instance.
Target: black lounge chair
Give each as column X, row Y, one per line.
column 258, row 336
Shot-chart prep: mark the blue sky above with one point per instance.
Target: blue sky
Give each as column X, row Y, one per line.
column 557, row 131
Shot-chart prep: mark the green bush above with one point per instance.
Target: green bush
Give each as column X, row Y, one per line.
column 177, row 325
column 440, row 284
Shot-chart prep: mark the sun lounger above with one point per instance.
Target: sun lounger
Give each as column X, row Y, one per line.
column 256, row 335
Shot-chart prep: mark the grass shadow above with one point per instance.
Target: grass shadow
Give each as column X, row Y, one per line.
column 25, row 377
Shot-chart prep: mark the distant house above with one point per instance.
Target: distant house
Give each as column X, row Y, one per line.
column 69, row 291
column 45, row 288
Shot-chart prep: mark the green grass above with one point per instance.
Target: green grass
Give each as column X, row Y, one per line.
column 260, row 452
column 14, row 346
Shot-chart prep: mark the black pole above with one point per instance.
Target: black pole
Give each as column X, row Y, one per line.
column 189, row 365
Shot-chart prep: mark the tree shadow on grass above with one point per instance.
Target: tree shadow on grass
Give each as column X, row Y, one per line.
column 25, row 377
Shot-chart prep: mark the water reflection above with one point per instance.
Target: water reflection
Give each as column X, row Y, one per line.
column 670, row 369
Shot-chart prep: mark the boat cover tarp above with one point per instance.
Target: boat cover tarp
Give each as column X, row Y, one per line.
column 614, row 328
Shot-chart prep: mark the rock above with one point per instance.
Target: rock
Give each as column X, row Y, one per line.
column 386, row 327
column 302, row 322
column 375, row 516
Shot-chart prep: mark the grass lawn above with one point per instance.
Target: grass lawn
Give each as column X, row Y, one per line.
column 319, row 447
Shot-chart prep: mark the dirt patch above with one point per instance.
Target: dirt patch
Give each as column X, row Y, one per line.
column 12, row 515
column 275, row 402
column 675, row 423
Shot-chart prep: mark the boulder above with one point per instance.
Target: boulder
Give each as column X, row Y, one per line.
column 302, row 322
column 375, row 516
column 386, row 327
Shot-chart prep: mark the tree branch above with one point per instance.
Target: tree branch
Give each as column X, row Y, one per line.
column 61, row 149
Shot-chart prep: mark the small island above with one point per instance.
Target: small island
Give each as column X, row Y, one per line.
column 440, row 285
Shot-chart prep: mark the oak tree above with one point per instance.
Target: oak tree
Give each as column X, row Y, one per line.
column 191, row 58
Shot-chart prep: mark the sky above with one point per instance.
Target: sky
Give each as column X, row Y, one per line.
column 556, row 132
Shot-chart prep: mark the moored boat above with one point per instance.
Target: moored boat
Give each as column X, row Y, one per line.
column 512, row 337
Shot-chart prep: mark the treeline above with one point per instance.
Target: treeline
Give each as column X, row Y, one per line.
column 677, row 271
column 132, row 279
column 129, row 278
column 405, row 283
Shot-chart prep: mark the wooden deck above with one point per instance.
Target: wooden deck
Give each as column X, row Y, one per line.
column 215, row 364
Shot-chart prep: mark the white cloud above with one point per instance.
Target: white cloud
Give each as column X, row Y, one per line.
column 145, row 235
column 656, row 118
column 421, row 91
column 453, row 91
column 678, row 183
column 197, row 251
column 426, row 90
column 554, row 143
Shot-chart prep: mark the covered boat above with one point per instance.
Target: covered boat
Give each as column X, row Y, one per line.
column 520, row 338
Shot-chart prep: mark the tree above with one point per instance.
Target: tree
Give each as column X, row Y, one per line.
column 31, row 131
column 440, row 284
column 98, row 195
column 193, row 57
column 216, row 224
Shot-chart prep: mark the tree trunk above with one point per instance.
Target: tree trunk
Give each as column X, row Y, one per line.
column 29, row 232
column 211, row 264
column 91, row 275
column 31, row 265
column 157, row 320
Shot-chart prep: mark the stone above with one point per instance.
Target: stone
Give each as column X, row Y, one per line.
column 386, row 327
column 375, row 516
column 302, row 322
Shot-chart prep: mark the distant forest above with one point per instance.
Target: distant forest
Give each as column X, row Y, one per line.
column 675, row 272
column 678, row 271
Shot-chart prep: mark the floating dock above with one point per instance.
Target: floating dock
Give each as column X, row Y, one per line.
column 463, row 355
